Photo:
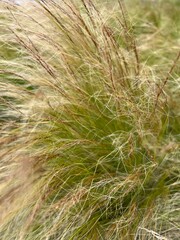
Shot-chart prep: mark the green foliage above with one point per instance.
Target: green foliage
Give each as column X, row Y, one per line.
column 91, row 148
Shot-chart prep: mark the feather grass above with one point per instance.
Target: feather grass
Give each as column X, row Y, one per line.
column 89, row 144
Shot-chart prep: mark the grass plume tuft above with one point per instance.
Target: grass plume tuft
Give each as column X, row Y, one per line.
column 89, row 127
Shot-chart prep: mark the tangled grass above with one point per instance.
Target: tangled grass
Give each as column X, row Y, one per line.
column 89, row 123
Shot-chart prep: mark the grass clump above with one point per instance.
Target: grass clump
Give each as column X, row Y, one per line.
column 93, row 150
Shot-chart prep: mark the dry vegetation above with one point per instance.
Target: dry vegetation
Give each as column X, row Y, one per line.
column 89, row 103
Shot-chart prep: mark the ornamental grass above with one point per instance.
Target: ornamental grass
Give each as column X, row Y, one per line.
column 89, row 120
